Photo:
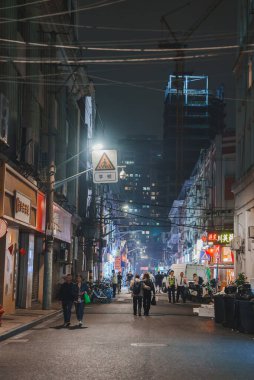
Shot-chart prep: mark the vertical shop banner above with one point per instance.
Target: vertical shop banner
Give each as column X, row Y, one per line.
column 41, row 212
column 118, row 263
column 62, row 224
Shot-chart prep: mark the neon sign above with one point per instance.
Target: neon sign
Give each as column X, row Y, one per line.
column 220, row 237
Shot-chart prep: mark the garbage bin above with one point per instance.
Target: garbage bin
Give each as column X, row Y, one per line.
column 219, row 309
column 230, row 314
column 246, row 317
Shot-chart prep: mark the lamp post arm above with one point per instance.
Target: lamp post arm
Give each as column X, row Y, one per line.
column 71, row 158
column 62, row 181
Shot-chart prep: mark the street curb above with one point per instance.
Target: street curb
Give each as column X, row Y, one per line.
column 28, row 325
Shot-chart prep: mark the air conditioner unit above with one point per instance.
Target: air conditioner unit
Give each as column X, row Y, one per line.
column 62, row 256
column 251, row 232
column 4, row 118
column 236, row 243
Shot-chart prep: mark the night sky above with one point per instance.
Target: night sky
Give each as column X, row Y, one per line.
column 131, row 109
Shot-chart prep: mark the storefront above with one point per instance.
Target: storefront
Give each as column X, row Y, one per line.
column 216, row 252
column 22, row 206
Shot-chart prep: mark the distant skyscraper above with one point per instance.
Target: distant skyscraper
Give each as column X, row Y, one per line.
column 143, row 188
column 192, row 117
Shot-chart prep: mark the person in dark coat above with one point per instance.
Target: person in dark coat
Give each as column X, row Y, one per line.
column 66, row 296
column 79, row 289
column 148, row 290
column 158, row 282
column 136, row 287
column 119, row 281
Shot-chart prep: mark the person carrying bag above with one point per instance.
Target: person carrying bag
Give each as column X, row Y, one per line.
column 80, row 297
column 149, row 289
column 137, row 289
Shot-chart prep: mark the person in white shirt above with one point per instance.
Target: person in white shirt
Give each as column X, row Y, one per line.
column 181, row 283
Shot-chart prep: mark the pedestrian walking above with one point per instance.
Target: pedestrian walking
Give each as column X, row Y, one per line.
column 148, row 291
column 136, row 287
column 171, row 286
column 158, row 282
column 119, row 282
column 129, row 277
column 79, row 289
column 114, row 283
column 66, row 296
column 181, row 283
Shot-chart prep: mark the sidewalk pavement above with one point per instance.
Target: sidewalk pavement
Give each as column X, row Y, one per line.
column 24, row 319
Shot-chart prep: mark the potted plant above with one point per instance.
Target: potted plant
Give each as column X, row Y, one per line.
column 241, row 279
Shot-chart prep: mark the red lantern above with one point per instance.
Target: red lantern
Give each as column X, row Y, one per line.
column 22, row 251
column 210, row 251
column 204, row 238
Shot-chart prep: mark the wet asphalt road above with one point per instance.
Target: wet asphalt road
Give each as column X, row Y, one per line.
column 169, row 344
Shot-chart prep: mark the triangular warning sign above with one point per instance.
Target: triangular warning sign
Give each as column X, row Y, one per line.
column 105, row 163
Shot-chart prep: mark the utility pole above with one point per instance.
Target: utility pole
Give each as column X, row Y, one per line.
column 101, row 236
column 48, row 257
column 90, row 237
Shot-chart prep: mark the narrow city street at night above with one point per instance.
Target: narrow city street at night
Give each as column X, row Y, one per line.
column 126, row 189
column 171, row 343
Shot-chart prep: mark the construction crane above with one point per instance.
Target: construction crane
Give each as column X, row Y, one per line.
column 177, row 45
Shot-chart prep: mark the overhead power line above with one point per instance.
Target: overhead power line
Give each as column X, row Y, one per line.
column 167, row 224
column 24, row 5
column 100, row 4
column 5, row 59
column 116, row 50
column 162, row 205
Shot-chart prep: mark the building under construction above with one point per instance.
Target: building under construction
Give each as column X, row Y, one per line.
column 192, row 117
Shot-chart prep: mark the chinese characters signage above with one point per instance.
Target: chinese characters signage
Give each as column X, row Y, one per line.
column 220, row 237
column 118, row 263
column 22, row 208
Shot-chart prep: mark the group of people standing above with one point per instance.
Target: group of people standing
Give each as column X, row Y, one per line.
column 116, row 281
column 177, row 287
column 142, row 293
column 73, row 293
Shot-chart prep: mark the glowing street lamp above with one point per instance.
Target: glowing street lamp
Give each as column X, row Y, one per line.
column 97, row 146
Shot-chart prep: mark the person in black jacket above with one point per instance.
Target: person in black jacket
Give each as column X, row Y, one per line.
column 80, row 288
column 66, row 296
column 119, row 281
column 148, row 289
column 136, row 287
